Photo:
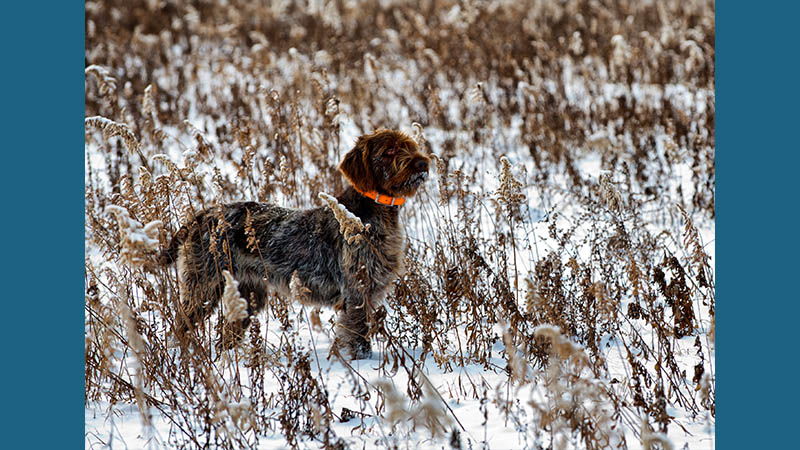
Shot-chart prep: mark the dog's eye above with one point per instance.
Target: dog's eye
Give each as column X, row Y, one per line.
column 390, row 153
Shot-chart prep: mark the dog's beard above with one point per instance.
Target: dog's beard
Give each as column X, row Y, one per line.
column 413, row 182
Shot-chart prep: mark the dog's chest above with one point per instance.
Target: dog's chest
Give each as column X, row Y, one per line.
column 393, row 248
column 384, row 253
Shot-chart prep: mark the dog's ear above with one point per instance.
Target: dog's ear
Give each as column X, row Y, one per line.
column 355, row 166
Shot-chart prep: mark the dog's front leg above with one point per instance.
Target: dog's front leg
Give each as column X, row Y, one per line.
column 351, row 333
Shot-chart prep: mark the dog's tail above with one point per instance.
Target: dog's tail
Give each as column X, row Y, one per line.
column 170, row 254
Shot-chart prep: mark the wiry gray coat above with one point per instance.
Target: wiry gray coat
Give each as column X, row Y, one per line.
column 259, row 241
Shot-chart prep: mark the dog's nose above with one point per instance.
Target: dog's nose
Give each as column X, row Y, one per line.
column 421, row 165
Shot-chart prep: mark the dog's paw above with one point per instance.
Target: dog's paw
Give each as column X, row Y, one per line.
column 352, row 347
column 360, row 350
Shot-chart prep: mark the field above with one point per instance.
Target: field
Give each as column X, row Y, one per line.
column 560, row 288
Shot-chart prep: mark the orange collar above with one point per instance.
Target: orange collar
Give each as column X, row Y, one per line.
column 383, row 199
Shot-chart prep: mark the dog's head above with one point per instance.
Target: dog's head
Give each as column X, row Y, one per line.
column 388, row 162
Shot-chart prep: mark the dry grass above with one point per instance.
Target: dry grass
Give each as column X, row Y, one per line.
column 516, row 255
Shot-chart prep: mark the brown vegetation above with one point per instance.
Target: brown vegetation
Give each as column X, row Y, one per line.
column 519, row 261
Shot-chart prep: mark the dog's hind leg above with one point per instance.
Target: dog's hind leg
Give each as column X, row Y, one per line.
column 254, row 292
column 198, row 300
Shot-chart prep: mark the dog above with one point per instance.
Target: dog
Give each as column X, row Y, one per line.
column 264, row 245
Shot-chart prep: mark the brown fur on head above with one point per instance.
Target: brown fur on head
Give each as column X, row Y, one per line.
column 385, row 161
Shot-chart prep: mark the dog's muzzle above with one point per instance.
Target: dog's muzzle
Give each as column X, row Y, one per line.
column 417, row 178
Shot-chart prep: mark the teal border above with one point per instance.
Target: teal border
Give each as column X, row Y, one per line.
column 757, row 245
column 42, row 220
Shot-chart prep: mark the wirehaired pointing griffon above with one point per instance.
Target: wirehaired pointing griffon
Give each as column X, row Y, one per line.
column 263, row 245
